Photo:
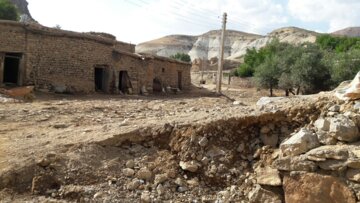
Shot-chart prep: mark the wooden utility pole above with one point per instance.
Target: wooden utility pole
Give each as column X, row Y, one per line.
column 221, row 58
column 202, row 70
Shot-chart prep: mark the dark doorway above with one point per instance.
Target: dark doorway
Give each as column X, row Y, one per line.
column 179, row 79
column 124, row 82
column 99, row 79
column 11, row 68
column 157, row 87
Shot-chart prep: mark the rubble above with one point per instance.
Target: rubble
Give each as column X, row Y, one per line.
column 298, row 153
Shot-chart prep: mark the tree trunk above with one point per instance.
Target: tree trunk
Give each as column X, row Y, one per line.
column 298, row 91
column 271, row 91
column 287, row 93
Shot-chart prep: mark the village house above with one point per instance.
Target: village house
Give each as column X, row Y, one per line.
column 65, row 61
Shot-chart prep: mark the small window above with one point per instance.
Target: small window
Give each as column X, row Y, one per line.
column 163, row 70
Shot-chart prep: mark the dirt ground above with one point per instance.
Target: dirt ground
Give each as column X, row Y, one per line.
column 54, row 123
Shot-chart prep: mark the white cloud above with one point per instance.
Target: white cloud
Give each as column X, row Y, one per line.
column 337, row 14
column 142, row 20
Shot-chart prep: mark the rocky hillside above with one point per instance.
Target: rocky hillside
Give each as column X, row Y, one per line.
column 350, row 32
column 207, row 45
column 22, row 6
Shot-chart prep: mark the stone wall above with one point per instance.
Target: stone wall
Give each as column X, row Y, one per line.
column 54, row 58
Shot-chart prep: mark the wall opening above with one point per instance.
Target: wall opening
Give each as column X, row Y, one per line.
column 99, row 79
column 11, row 69
column 179, row 79
column 124, row 82
column 157, row 87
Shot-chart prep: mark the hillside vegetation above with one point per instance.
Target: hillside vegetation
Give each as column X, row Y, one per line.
column 304, row 68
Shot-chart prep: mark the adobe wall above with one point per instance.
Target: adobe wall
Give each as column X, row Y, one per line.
column 167, row 71
column 53, row 58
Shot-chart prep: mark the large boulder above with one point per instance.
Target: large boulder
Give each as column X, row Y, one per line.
column 299, row 143
column 344, row 129
column 316, row 188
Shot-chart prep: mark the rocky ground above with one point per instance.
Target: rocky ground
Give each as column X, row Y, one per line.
column 191, row 147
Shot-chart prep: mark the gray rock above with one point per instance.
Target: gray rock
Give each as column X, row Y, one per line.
column 333, row 165
column 191, row 166
column 298, row 163
column 326, row 138
column 322, row 124
column 203, row 142
column 337, row 152
column 344, row 129
column 335, row 108
column 299, row 143
column 259, row 194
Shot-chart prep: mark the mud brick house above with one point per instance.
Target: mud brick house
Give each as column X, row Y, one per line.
column 31, row 54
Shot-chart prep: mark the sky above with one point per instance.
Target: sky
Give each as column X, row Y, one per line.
column 137, row 21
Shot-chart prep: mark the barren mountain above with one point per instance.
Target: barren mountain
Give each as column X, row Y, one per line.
column 207, row 45
column 350, row 32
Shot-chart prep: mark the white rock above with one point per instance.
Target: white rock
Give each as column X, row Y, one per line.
column 191, row 166
column 203, row 142
column 344, row 129
column 299, row 143
column 128, row 172
column 322, row 124
column 268, row 176
column 351, row 91
column 145, row 197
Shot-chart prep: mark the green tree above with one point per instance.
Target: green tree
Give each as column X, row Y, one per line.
column 308, row 73
column 181, row 57
column 8, row 11
column 267, row 74
column 343, row 66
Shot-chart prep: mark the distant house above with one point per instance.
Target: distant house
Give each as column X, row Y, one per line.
column 53, row 59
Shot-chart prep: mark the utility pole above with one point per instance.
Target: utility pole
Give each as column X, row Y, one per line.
column 221, row 59
column 202, row 70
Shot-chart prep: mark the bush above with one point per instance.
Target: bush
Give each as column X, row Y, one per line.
column 8, row 11
column 181, row 57
column 245, row 71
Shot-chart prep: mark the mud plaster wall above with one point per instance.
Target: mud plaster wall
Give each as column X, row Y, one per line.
column 54, row 57
column 167, row 73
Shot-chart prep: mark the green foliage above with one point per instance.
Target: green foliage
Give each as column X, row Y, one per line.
column 343, row 66
column 181, row 57
column 8, row 11
column 267, row 74
column 244, row 71
column 339, row 44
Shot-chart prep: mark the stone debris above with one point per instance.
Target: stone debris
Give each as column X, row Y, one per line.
column 300, row 154
column 299, row 143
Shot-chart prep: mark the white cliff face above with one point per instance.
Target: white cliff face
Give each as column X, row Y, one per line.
column 208, row 45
